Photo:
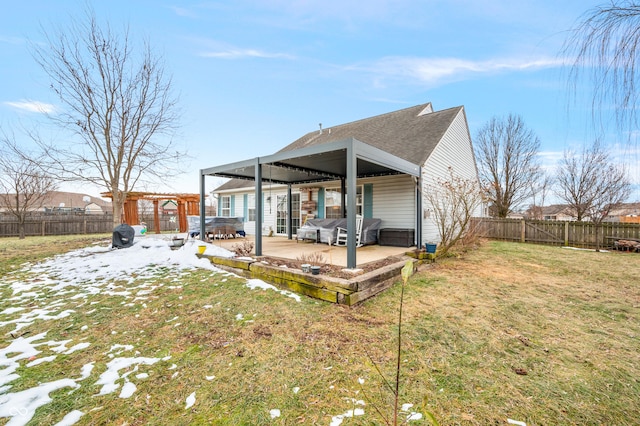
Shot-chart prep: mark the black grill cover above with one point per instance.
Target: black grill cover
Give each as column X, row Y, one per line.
column 123, row 236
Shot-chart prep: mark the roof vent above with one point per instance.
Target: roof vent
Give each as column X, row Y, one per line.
column 320, row 124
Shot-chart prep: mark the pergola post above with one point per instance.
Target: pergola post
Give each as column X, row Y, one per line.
column 131, row 211
column 202, row 207
column 352, row 173
column 259, row 208
column 156, row 216
column 289, row 213
column 193, row 207
column 182, row 216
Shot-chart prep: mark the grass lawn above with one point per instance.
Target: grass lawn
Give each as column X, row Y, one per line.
column 541, row 335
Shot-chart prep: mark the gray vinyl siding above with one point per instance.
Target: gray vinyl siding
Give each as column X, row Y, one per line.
column 269, row 218
column 394, row 201
column 270, row 206
column 455, row 151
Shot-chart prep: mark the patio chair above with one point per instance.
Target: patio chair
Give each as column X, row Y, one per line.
column 341, row 233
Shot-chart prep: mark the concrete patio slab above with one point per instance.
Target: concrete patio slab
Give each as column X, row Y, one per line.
column 334, row 255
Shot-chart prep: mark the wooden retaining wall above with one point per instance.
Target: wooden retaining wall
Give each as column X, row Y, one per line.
column 330, row 289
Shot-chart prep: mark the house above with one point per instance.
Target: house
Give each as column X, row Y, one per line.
column 72, row 202
column 61, row 202
column 377, row 167
column 625, row 213
column 561, row 212
column 169, row 207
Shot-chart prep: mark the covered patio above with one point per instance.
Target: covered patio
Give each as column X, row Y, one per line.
column 344, row 160
column 285, row 248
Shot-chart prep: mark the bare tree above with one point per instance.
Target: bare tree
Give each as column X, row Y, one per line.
column 454, row 202
column 23, row 184
column 119, row 104
column 506, row 153
column 539, row 191
column 603, row 50
column 590, row 183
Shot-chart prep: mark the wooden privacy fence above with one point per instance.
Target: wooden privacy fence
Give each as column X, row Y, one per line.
column 559, row 233
column 70, row 224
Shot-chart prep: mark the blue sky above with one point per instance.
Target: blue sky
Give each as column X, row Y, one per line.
column 253, row 76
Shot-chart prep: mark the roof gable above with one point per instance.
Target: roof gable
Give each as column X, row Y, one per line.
column 410, row 133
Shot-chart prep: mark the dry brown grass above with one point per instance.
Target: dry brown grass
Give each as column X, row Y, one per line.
column 473, row 326
column 541, row 334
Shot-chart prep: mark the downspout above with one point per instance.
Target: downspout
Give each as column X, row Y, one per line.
column 419, row 209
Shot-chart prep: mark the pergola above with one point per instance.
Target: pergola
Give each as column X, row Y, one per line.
column 187, row 205
column 345, row 160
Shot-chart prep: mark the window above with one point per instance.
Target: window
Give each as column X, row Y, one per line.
column 225, row 206
column 281, row 213
column 251, row 208
column 332, row 202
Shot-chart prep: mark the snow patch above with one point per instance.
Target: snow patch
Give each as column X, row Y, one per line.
column 71, row 418
column 21, row 406
column 337, row 420
column 256, row 283
column 191, row 399
column 108, row 378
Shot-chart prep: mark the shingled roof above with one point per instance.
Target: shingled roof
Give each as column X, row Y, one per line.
column 410, row 134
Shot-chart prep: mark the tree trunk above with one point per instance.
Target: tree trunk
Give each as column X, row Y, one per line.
column 118, row 203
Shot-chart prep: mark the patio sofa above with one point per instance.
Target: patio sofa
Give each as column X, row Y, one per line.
column 326, row 229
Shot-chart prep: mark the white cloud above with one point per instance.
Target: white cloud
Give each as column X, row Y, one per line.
column 183, row 12
column 32, row 106
column 220, row 49
column 237, row 53
column 550, row 159
column 435, row 71
column 11, row 40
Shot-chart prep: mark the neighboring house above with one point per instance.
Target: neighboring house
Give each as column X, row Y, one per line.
column 369, row 167
column 169, row 207
column 625, row 213
column 95, row 208
column 72, row 202
column 60, row 202
column 561, row 212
